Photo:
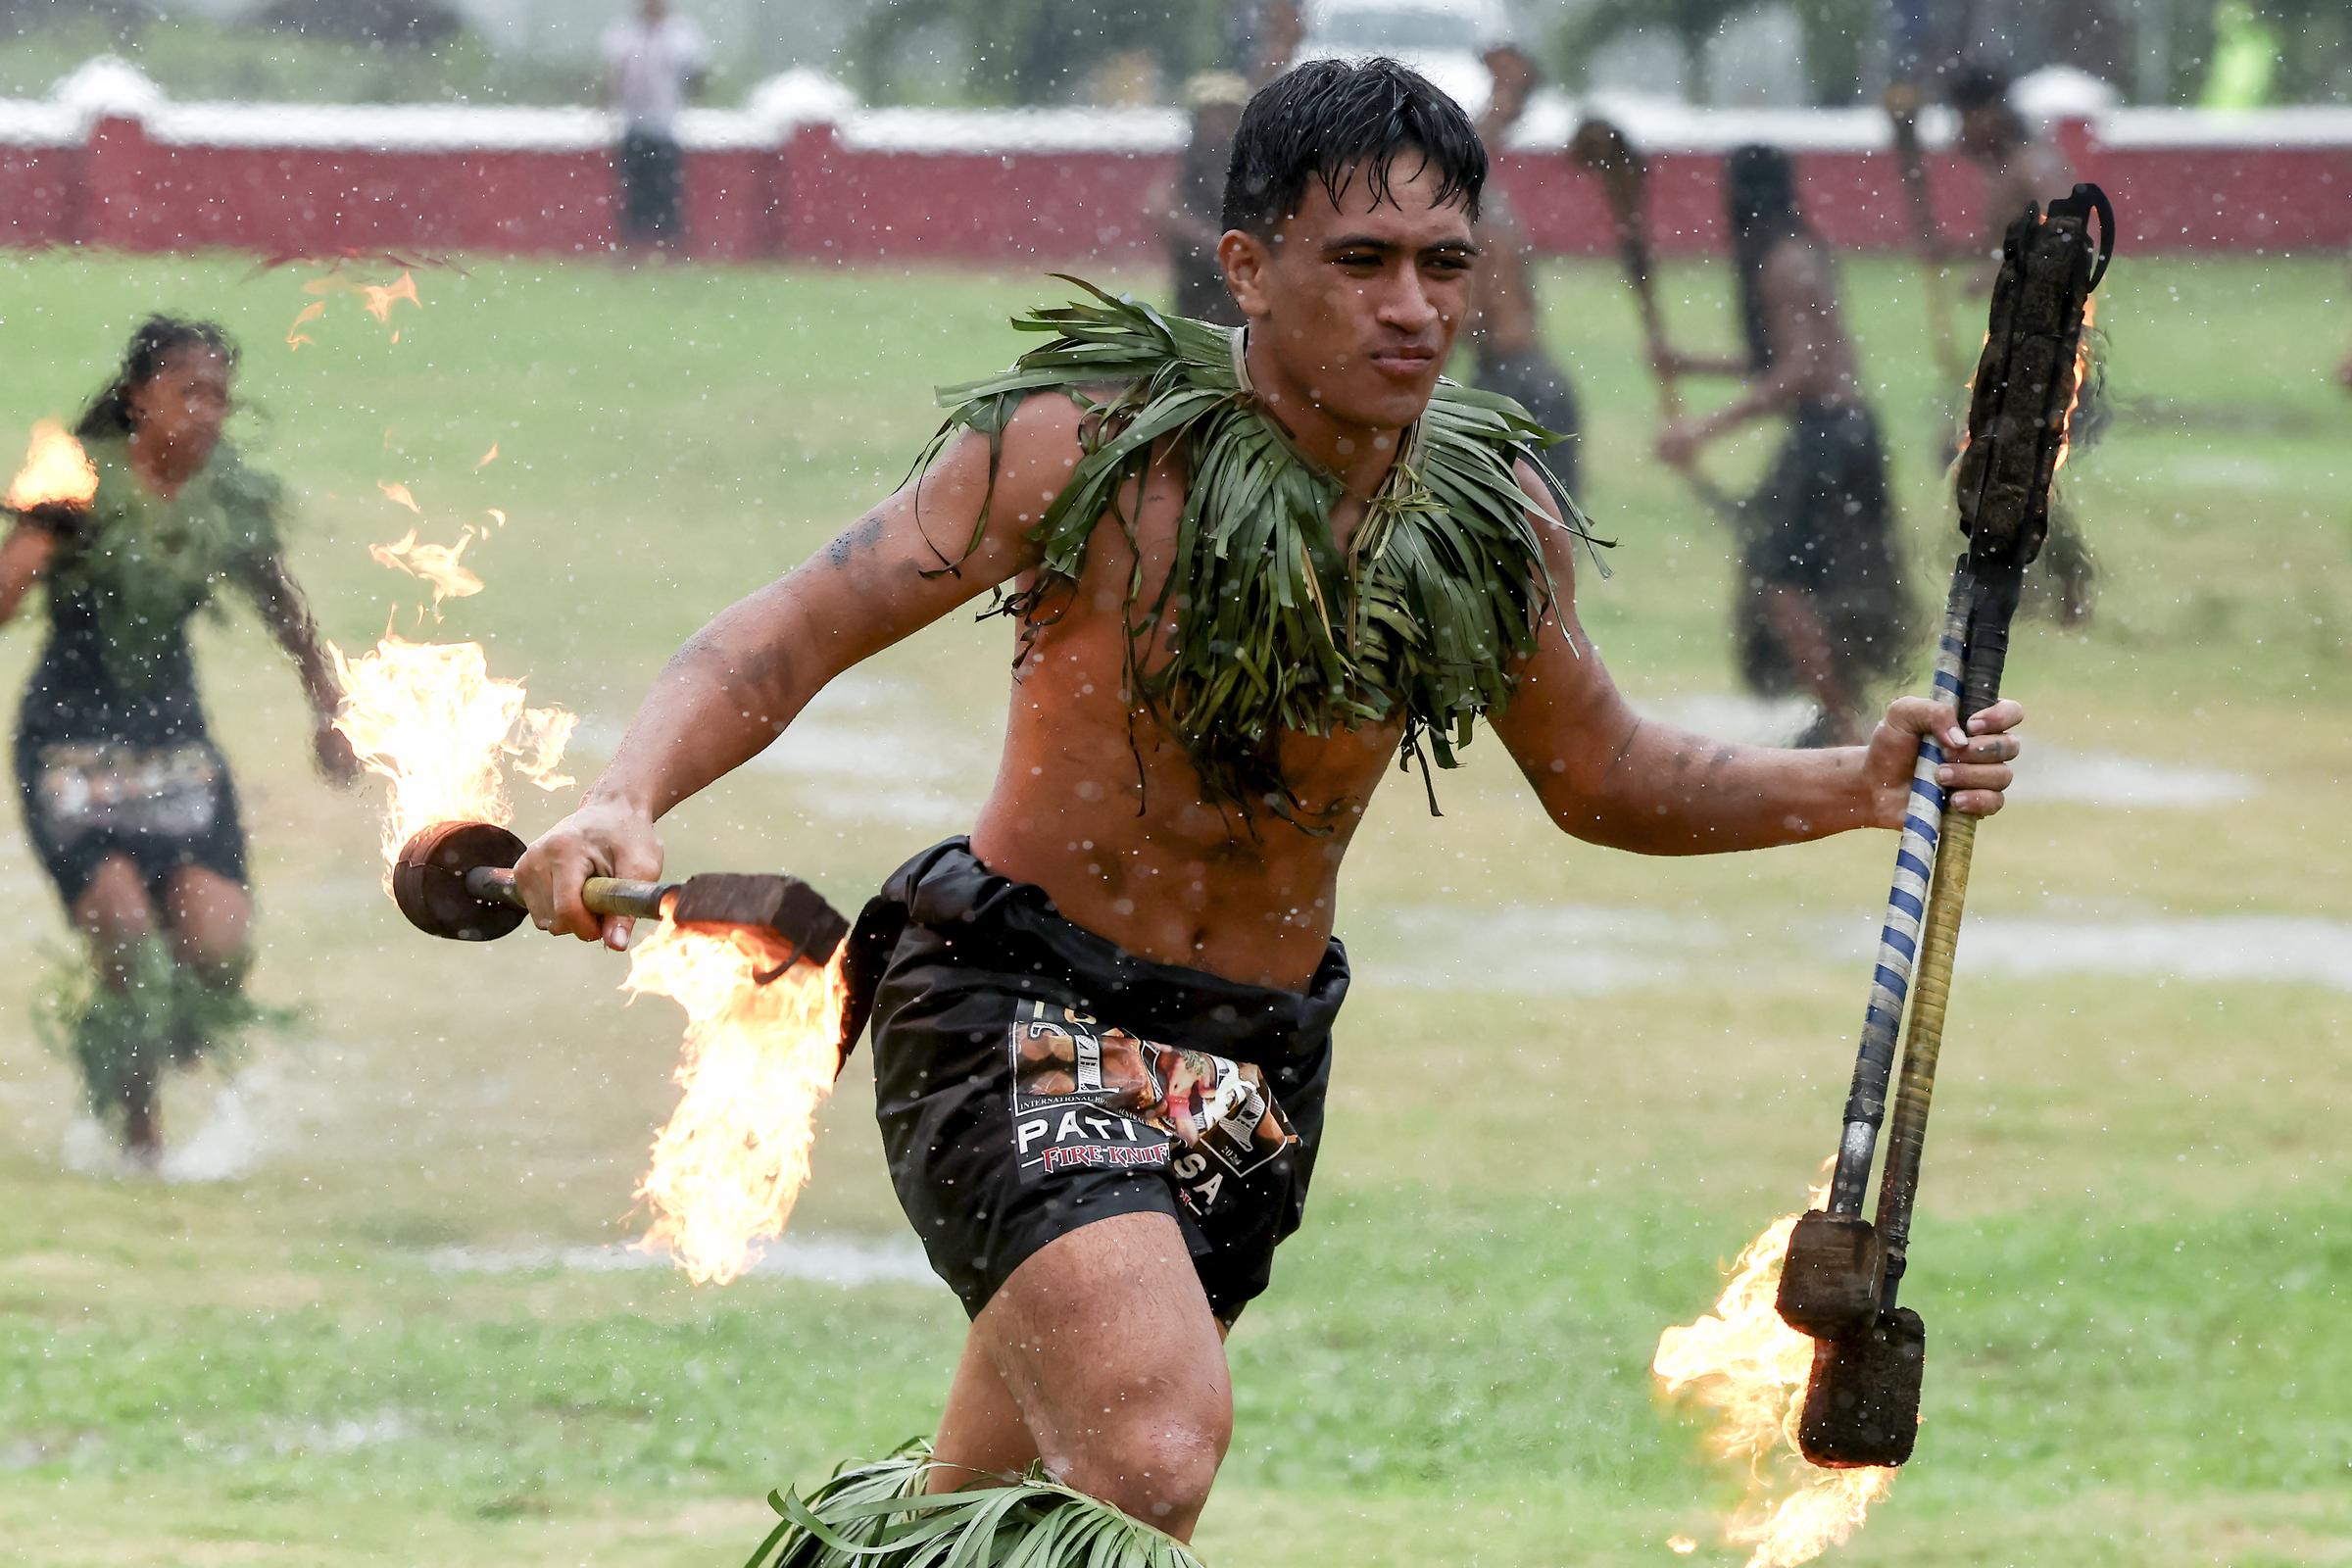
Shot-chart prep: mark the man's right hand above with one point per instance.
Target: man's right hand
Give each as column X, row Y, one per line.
column 599, row 839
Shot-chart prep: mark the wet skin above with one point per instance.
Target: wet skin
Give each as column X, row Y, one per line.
column 1352, row 306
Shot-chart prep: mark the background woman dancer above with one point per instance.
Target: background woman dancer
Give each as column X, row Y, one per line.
column 127, row 802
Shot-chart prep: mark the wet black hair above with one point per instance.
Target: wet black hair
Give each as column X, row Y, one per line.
column 1329, row 119
column 151, row 347
column 1760, row 202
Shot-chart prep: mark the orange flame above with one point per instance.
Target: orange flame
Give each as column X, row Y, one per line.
column 2065, row 427
column 759, row 1060
column 397, row 493
column 377, row 299
column 56, row 471
column 296, row 338
column 1749, row 1367
column 488, row 457
column 440, row 565
column 432, row 721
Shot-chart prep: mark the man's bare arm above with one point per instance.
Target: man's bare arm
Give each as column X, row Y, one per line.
column 23, row 557
column 1609, row 776
column 735, row 685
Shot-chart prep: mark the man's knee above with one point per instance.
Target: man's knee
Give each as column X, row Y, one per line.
column 1157, row 1465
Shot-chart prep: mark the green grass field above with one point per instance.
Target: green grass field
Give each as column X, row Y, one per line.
column 1548, row 1134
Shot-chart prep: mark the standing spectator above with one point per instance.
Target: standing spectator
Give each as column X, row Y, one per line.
column 654, row 62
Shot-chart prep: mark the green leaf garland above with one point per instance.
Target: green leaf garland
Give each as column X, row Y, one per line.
column 1425, row 614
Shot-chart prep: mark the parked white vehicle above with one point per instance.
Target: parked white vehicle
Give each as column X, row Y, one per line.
column 1442, row 39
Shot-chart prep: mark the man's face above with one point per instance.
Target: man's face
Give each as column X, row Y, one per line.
column 181, row 408
column 1357, row 304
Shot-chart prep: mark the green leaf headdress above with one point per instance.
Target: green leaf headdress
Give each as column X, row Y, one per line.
column 1441, row 589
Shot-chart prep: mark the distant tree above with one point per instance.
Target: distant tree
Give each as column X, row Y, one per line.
column 418, row 24
column 122, row 17
column 1034, row 51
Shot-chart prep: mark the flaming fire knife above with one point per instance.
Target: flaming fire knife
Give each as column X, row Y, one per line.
column 455, row 880
column 1862, row 1405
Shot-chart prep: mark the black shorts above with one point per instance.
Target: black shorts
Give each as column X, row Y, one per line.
column 653, row 188
column 162, row 808
column 1032, row 1078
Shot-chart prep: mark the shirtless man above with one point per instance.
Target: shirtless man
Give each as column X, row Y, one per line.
column 2018, row 166
column 1105, row 874
column 1506, row 341
column 1822, row 595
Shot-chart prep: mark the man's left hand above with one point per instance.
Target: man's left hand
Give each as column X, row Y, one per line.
column 1976, row 773
column 1679, row 444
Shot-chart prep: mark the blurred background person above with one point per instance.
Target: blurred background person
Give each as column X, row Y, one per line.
column 1822, row 605
column 127, row 803
column 654, row 62
column 1190, row 203
column 2020, row 168
column 1506, row 338
column 1262, row 38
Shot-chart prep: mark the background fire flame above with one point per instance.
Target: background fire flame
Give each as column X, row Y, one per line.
column 434, row 721
column 441, row 567
column 1746, row 1364
column 759, row 1062
column 56, row 471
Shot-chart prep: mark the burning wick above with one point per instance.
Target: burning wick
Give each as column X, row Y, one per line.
column 57, row 472
column 1749, row 1366
column 434, row 721
column 759, row 1062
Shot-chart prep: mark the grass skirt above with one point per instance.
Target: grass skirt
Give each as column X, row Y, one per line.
column 878, row 1515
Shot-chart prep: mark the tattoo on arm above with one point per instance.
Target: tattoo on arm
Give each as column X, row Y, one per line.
column 854, row 540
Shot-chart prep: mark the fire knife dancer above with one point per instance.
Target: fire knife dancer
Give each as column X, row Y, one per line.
column 1822, row 605
column 1317, row 555
column 2021, row 167
column 1507, row 339
column 1185, row 207
column 127, row 802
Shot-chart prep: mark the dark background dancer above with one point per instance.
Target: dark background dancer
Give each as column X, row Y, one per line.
column 1821, row 600
column 1506, row 337
column 1107, row 871
column 1188, row 204
column 126, row 799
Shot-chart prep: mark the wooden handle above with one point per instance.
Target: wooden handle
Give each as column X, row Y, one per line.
column 603, row 894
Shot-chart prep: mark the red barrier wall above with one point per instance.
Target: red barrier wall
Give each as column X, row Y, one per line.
column 817, row 194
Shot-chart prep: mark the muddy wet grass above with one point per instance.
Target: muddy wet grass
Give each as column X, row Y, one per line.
column 2132, row 1254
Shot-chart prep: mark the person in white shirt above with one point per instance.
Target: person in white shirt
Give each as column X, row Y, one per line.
column 654, row 62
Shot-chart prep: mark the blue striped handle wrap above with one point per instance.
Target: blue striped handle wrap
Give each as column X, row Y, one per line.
column 1898, row 937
